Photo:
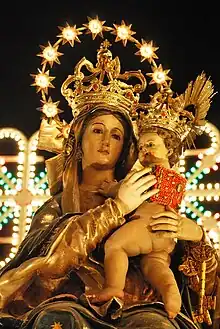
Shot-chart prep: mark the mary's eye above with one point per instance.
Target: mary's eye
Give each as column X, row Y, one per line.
column 97, row 131
column 117, row 137
column 140, row 148
column 150, row 144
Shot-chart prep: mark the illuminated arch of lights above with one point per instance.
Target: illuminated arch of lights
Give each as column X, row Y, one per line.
column 24, row 190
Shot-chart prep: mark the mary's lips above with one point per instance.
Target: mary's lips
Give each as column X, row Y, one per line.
column 103, row 151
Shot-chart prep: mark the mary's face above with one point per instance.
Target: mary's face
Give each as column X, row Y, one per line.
column 102, row 142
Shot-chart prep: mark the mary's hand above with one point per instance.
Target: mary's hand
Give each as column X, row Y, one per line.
column 135, row 189
column 170, row 224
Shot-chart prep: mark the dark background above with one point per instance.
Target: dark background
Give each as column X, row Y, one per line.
column 186, row 32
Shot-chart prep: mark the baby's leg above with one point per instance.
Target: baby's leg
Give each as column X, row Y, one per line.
column 155, row 267
column 116, row 267
column 123, row 243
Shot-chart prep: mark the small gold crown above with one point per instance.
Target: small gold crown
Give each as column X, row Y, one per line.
column 103, row 85
column 183, row 116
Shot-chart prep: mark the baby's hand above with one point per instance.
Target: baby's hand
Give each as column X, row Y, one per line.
column 109, row 188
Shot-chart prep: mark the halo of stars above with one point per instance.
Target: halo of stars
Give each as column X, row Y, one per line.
column 95, row 27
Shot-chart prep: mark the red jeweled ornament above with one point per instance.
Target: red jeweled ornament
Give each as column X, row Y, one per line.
column 171, row 185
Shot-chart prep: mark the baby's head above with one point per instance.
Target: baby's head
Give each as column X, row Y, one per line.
column 158, row 146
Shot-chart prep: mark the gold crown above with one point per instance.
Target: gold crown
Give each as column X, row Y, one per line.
column 92, row 89
column 183, row 116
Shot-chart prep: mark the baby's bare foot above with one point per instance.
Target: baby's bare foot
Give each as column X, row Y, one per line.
column 172, row 302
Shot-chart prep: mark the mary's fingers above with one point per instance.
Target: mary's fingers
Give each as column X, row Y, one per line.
column 145, row 183
column 164, row 227
column 168, row 214
column 128, row 176
column 164, row 220
column 165, row 234
column 144, row 188
column 138, row 174
column 148, row 194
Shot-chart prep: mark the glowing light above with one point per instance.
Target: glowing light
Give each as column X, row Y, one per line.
column 95, row 26
column 159, row 76
column 69, row 34
column 50, row 54
column 147, row 51
column 50, row 109
column 205, row 192
column 43, row 81
column 14, row 195
column 123, row 32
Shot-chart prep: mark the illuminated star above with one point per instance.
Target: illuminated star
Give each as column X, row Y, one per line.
column 123, row 32
column 50, row 54
column 147, row 51
column 95, row 27
column 56, row 325
column 50, row 108
column 69, row 34
column 159, row 76
column 42, row 81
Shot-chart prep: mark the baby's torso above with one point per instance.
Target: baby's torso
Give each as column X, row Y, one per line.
column 148, row 209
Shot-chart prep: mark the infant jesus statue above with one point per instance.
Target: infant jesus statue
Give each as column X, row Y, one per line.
column 156, row 149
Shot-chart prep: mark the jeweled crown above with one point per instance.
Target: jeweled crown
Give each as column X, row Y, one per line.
column 104, row 84
column 183, row 116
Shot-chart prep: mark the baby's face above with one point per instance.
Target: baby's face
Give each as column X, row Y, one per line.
column 152, row 149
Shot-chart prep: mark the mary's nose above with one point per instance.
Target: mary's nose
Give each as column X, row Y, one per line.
column 106, row 140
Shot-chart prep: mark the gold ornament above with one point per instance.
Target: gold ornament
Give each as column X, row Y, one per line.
column 91, row 89
column 96, row 27
column 159, row 76
column 69, row 34
column 50, row 109
column 104, row 85
column 183, row 116
column 123, row 32
column 43, row 81
column 147, row 51
column 50, row 54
